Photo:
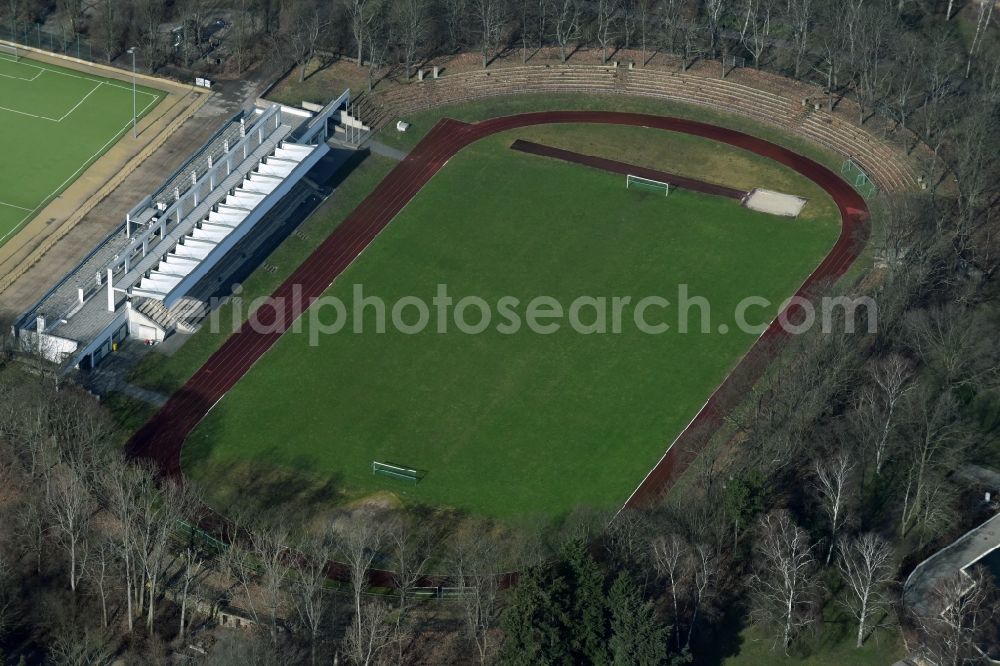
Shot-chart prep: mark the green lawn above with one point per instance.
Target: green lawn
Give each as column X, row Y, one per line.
column 507, row 425
column 831, row 645
column 55, row 123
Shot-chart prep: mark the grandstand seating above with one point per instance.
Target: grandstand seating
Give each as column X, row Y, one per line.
column 185, row 316
column 884, row 164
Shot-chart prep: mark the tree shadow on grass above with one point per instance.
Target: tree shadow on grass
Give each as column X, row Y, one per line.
column 271, row 491
column 725, row 640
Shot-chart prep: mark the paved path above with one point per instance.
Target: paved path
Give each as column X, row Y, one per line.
column 983, row 476
column 112, row 375
column 918, row 589
column 380, row 148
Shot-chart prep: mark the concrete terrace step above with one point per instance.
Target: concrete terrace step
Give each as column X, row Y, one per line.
column 884, row 164
column 185, row 316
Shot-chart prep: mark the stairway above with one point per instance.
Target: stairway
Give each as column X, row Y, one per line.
column 185, row 316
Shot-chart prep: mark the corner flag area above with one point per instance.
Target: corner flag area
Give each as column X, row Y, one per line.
column 54, row 123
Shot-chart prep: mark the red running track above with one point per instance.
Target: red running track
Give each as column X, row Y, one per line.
column 162, row 437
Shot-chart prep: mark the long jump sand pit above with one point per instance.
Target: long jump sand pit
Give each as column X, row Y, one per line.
column 775, row 203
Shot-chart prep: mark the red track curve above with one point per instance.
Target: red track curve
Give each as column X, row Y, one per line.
column 162, row 437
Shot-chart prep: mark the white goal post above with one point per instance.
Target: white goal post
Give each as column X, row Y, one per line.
column 9, row 52
column 395, row 471
column 647, row 183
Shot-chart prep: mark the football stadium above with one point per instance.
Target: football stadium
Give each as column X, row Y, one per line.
column 578, row 332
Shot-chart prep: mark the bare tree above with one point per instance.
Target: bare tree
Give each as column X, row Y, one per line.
column 307, row 588
column 147, row 20
column 934, row 436
column 714, row 10
column 707, row 569
column 239, row 565
column 783, row 582
column 832, row 479
column 904, row 77
column 159, row 512
column 891, row 376
column 870, row 57
column 644, row 11
column 124, row 484
column 983, row 20
column 962, row 609
column 192, row 565
column 975, row 166
column 476, row 562
column 270, row 548
column 110, row 26
column 865, row 564
column 370, row 633
column 940, row 66
column 71, row 506
column 410, row 17
column 362, row 13
column 567, row 19
column 671, row 559
column 454, row 20
column 608, row 12
column 7, row 595
column 801, row 17
column 32, row 528
column 492, row 16
column 954, row 343
column 102, row 561
column 360, row 535
column 756, row 32
column 378, row 39
column 304, row 27
column 412, row 543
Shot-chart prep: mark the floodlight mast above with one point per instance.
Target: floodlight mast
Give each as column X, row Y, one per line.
column 134, row 133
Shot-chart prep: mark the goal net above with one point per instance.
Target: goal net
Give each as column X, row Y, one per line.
column 395, row 471
column 858, row 177
column 8, row 52
column 646, row 183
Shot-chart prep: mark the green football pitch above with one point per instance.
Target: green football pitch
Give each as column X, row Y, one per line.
column 55, row 123
column 501, row 424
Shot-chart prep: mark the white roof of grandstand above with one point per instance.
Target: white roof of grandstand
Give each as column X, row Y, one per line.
column 212, row 227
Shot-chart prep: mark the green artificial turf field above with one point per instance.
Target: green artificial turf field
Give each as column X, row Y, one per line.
column 55, row 123
column 507, row 425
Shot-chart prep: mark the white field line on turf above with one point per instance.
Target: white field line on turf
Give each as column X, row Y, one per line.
column 30, row 115
column 41, row 71
column 63, row 116
column 87, row 78
column 4, row 203
column 77, row 106
column 83, row 166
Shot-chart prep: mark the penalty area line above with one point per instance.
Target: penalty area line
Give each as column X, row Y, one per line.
column 72, row 176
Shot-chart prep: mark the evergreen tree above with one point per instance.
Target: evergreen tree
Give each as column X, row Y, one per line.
column 637, row 639
column 535, row 624
column 588, row 621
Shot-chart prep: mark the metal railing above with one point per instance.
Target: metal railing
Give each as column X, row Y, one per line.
column 65, row 43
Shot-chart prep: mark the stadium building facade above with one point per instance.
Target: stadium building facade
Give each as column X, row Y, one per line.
column 145, row 278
